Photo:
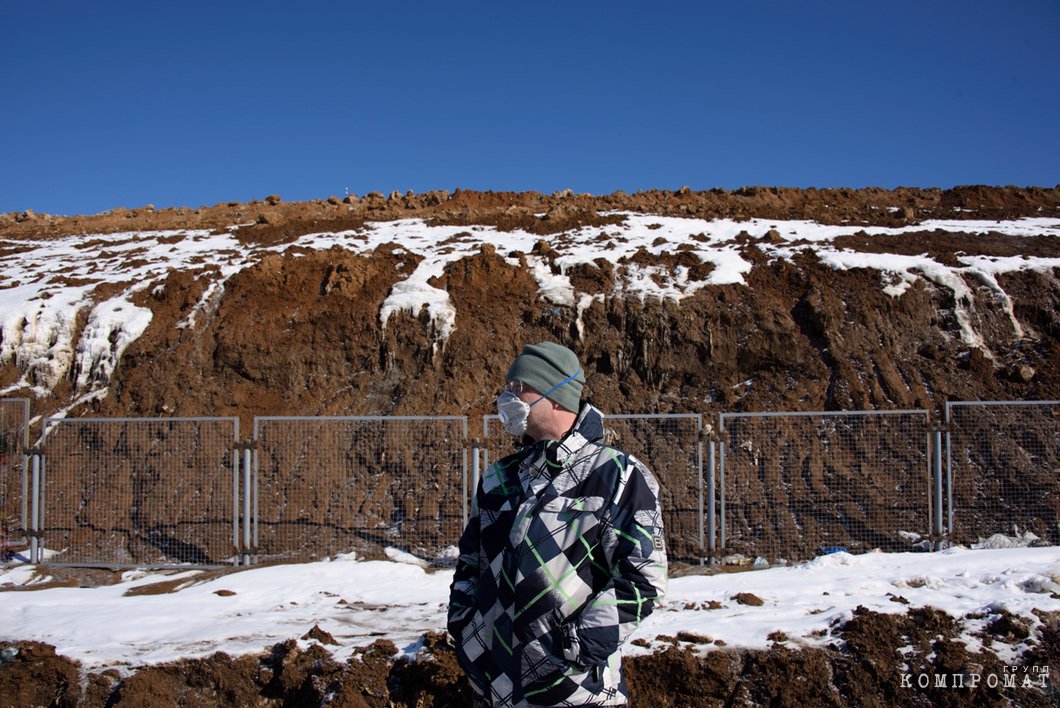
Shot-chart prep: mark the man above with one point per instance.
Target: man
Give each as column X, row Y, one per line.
column 563, row 555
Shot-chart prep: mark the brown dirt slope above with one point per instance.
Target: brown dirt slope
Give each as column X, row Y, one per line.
column 302, row 336
column 872, row 660
column 279, row 219
column 299, row 332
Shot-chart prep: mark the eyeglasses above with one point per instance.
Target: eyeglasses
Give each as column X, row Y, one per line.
column 516, row 387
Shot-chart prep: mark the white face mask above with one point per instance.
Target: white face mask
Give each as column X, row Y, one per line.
column 514, row 413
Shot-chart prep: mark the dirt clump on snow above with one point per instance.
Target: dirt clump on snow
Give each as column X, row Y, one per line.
column 873, row 659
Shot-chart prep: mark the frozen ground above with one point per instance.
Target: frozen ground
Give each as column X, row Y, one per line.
column 154, row 617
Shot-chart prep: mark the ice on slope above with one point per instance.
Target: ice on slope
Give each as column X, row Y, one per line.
column 48, row 299
column 112, row 326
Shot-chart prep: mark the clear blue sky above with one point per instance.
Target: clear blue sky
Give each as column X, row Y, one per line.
column 111, row 104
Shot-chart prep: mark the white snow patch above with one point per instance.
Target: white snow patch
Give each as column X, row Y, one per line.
column 111, row 327
column 897, row 282
column 38, row 333
column 46, row 287
column 415, row 294
column 209, row 299
column 555, row 288
column 584, row 303
column 999, row 540
column 399, row 556
column 962, row 299
column 1000, row 296
column 361, row 601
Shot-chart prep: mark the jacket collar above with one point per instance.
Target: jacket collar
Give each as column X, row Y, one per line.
column 588, row 427
column 589, row 423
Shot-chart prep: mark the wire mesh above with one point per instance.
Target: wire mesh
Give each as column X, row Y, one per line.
column 139, row 492
column 333, row 485
column 157, row 492
column 669, row 446
column 1005, row 470
column 14, row 495
column 797, row 485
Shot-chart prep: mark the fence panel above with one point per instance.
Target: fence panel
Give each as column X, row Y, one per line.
column 144, row 492
column 14, row 492
column 1004, row 462
column 670, row 446
column 160, row 492
column 328, row 485
column 794, row 485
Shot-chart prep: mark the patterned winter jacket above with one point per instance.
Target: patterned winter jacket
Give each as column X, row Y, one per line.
column 562, row 558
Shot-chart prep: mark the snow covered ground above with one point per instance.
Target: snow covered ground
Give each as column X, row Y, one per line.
column 358, row 602
column 47, row 284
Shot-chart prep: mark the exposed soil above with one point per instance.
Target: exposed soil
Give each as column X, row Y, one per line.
column 872, row 660
column 276, row 220
column 945, row 246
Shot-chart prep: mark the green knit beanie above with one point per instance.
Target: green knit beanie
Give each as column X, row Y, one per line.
column 547, row 364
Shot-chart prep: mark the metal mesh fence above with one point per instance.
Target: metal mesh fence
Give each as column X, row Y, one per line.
column 496, row 441
column 331, row 485
column 14, row 491
column 159, row 492
column 670, row 447
column 795, row 485
column 1004, row 463
column 139, row 492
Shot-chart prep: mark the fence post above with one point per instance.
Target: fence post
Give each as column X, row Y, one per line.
column 476, row 472
column 712, row 534
column 34, row 515
column 949, row 479
column 940, row 531
column 247, row 493
column 930, row 490
column 25, row 491
column 235, row 502
column 244, row 502
column 699, row 476
column 721, row 482
column 256, row 512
